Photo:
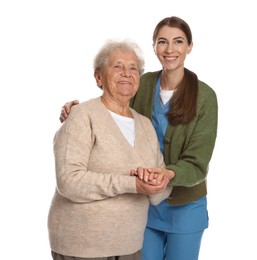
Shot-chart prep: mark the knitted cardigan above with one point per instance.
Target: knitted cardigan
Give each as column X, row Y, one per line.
column 187, row 148
column 96, row 211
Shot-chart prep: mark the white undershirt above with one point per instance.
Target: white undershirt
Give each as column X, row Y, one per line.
column 166, row 95
column 127, row 127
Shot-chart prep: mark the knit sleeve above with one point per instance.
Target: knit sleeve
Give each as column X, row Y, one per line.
column 158, row 198
column 72, row 149
column 191, row 168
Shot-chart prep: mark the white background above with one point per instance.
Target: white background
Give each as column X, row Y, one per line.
column 46, row 54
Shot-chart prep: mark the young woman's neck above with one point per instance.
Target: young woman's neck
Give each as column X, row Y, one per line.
column 171, row 79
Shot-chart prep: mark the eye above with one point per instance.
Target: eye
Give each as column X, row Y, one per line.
column 133, row 68
column 117, row 67
column 161, row 42
column 179, row 41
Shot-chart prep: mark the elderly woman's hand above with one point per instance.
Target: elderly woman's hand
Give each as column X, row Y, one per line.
column 148, row 189
column 153, row 176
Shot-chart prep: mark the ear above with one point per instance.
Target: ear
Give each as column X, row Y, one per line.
column 190, row 47
column 154, row 49
column 98, row 79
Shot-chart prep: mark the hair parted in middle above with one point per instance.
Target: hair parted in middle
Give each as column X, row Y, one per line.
column 184, row 101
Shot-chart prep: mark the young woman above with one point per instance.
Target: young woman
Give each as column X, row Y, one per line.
column 184, row 113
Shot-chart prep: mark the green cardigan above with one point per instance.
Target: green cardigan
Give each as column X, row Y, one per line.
column 188, row 148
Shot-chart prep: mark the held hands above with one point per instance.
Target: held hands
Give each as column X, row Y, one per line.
column 151, row 181
column 66, row 109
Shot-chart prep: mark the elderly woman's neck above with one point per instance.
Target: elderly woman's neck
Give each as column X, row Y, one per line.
column 120, row 107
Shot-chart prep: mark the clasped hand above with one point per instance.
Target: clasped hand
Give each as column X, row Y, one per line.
column 151, row 181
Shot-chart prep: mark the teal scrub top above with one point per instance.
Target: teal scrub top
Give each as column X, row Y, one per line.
column 188, row 218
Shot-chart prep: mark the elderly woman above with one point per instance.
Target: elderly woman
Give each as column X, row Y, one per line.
column 99, row 211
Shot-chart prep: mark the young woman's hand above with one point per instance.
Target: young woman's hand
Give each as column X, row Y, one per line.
column 146, row 188
column 66, row 109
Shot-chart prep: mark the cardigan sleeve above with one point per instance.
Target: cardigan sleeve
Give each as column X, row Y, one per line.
column 158, row 198
column 190, row 161
column 72, row 146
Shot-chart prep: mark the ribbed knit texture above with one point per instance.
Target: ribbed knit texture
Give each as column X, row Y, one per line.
column 188, row 148
column 95, row 211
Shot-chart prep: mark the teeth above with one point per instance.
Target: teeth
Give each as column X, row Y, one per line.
column 170, row 58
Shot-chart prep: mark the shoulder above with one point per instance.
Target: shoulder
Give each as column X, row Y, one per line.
column 206, row 94
column 86, row 107
column 205, row 89
column 207, row 102
column 150, row 75
column 85, row 112
column 81, row 117
column 94, row 102
column 147, row 83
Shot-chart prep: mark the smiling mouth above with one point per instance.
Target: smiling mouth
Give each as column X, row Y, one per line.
column 124, row 82
column 170, row 58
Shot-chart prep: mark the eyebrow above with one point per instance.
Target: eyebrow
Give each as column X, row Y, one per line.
column 161, row 38
column 120, row 62
column 179, row 37
column 176, row 38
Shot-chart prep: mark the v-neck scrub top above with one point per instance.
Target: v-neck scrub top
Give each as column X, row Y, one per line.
column 188, row 218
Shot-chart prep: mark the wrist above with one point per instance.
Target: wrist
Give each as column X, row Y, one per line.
column 170, row 174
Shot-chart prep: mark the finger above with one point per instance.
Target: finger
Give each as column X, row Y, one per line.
column 154, row 182
column 164, row 183
column 155, row 170
column 142, row 187
column 151, row 176
column 166, row 180
column 140, row 173
column 64, row 112
column 63, row 115
column 133, row 172
column 146, row 175
column 66, row 107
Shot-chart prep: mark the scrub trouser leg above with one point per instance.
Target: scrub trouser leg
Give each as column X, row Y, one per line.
column 170, row 246
column 153, row 245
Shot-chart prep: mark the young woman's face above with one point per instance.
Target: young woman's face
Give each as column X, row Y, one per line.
column 171, row 47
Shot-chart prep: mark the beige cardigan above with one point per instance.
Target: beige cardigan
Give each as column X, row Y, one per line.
column 96, row 211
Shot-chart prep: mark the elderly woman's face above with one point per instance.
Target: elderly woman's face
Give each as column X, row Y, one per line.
column 120, row 76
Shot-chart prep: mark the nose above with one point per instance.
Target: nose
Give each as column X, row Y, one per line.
column 126, row 71
column 170, row 47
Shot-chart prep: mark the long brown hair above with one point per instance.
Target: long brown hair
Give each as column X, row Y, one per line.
column 184, row 100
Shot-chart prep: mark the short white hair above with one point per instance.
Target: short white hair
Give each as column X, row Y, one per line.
column 112, row 45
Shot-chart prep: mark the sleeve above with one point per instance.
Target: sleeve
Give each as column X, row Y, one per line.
column 72, row 148
column 158, row 198
column 193, row 161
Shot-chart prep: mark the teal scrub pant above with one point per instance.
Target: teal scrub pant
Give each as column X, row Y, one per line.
column 171, row 246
